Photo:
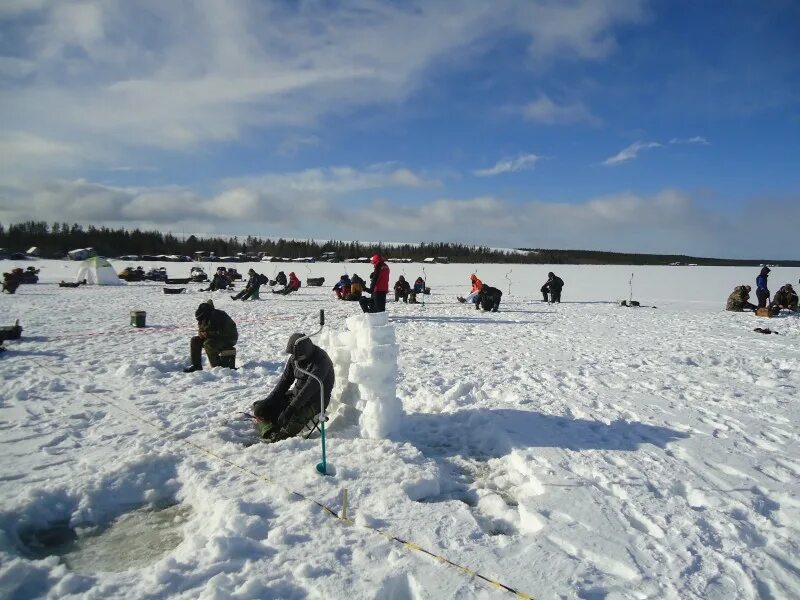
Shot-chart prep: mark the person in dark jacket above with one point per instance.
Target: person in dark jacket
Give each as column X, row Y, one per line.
column 11, row 281
column 739, row 300
column 378, row 287
column 762, row 291
column 216, row 334
column 785, row 297
column 488, row 298
column 419, row 288
column 220, row 281
column 291, row 286
column 401, row 289
column 553, row 286
column 280, row 279
column 287, row 410
column 342, row 287
column 254, row 283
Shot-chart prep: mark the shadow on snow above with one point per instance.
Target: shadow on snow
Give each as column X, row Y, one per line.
column 493, row 433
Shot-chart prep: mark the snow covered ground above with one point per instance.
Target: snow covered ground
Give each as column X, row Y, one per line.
column 580, row 450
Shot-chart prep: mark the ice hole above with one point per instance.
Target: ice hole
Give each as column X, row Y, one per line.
column 134, row 539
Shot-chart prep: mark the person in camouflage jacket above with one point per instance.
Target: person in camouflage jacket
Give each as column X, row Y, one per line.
column 739, row 300
column 216, row 333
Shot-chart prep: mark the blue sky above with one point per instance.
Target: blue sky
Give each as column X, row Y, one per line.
column 625, row 125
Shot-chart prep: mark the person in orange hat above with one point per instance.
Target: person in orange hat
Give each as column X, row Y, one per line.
column 477, row 284
column 378, row 287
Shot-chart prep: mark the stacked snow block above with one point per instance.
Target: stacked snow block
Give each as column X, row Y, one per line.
column 365, row 364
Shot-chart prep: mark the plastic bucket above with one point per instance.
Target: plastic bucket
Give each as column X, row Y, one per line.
column 138, row 318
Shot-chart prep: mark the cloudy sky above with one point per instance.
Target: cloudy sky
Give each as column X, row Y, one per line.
column 626, row 125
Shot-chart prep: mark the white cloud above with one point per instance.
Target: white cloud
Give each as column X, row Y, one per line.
column 668, row 221
column 544, row 110
column 692, row 140
column 115, row 74
column 523, row 162
column 630, row 152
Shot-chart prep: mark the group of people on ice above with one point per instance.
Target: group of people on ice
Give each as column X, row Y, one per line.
column 293, row 403
column 353, row 288
column 488, row 298
column 784, row 299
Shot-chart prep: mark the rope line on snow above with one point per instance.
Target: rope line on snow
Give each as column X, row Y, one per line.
column 151, row 330
column 412, row 546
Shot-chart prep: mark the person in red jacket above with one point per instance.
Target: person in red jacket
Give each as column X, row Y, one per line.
column 292, row 286
column 378, row 287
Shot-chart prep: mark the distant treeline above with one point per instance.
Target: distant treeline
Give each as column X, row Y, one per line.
column 55, row 240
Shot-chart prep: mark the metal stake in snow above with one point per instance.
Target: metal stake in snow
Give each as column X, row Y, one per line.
column 322, row 467
column 424, row 285
column 508, row 278
column 630, row 285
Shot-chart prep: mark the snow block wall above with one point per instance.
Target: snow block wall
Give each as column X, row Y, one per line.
column 365, row 363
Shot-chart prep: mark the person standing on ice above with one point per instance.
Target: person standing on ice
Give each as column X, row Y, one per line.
column 762, row 292
column 216, row 334
column 739, row 300
column 553, row 286
column 287, row 410
column 378, row 287
column 474, row 291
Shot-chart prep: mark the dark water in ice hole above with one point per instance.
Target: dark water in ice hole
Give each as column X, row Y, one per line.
column 134, row 539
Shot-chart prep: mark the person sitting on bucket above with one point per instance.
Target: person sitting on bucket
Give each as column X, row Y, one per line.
column 287, row 410
column 217, row 334
column 553, row 286
column 401, row 289
column 419, row 288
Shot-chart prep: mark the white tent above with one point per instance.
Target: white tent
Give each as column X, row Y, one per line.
column 98, row 271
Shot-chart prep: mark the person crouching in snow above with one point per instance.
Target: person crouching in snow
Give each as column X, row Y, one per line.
column 378, row 287
column 739, row 300
column 488, row 298
column 342, row 287
column 287, row 410
column 291, row 286
column 553, row 285
column 217, row 334
column 401, row 289
column 473, row 293
column 785, row 297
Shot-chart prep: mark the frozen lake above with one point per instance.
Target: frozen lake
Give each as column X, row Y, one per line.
column 580, row 450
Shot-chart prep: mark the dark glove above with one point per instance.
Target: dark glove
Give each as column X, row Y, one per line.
column 285, row 417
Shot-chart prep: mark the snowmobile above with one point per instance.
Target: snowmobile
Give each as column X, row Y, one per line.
column 156, row 274
column 198, row 275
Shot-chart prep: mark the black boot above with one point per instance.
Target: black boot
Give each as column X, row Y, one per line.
column 192, row 369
